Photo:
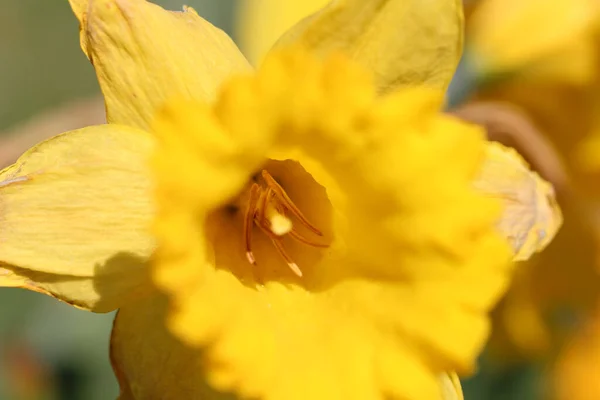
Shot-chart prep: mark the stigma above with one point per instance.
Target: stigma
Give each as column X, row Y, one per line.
column 269, row 207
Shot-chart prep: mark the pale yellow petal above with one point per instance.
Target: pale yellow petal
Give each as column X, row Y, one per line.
column 261, row 22
column 75, row 212
column 531, row 216
column 79, row 8
column 402, row 42
column 450, row 386
column 149, row 362
column 144, row 55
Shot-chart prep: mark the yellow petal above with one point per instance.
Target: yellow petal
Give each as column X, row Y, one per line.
column 144, row 54
column 149, row 362
column 262, row 22
column 74, row 217
column 79, row 8
column 531, row 216
column 402, row 42
column 450, row 385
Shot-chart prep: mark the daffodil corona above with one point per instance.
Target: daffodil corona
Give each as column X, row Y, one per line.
column 320, row 227
column 313, row 141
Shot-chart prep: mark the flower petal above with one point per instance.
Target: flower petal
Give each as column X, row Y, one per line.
column 402, row 42
column 79, row 8
column 262, row 22
column 144, row 54
column 531, row 216
column 75, row 212
column 149, row 362
column 451, row 389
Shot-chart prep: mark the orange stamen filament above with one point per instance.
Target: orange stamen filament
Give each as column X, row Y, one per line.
column 295, row 235
column 249, row 221
column 267, row 208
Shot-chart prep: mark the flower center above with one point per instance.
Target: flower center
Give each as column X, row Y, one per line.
column 276, row 229
column 268, row 207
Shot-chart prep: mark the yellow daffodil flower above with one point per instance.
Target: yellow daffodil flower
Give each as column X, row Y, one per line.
column 544, row 58
column 342, row 279
column 316, row 238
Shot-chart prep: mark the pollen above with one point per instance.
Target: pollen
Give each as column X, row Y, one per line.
column 270, row 208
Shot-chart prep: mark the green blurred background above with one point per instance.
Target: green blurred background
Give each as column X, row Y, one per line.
column 49, row 350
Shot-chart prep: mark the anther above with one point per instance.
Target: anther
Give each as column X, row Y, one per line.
column 293, row 266
column 280, row 224
column 287, row 202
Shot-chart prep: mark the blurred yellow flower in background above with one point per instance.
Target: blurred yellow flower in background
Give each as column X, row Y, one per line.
column 396, row 257
column 535, row 39
column 578, row 367
column 536, row 64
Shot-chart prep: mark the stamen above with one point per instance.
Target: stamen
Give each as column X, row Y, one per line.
column 295, row 235
column 277, row 243
column 267, row 208
column 262, row 203
column 248, row 222
column 293, row 266
column 284, row 198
